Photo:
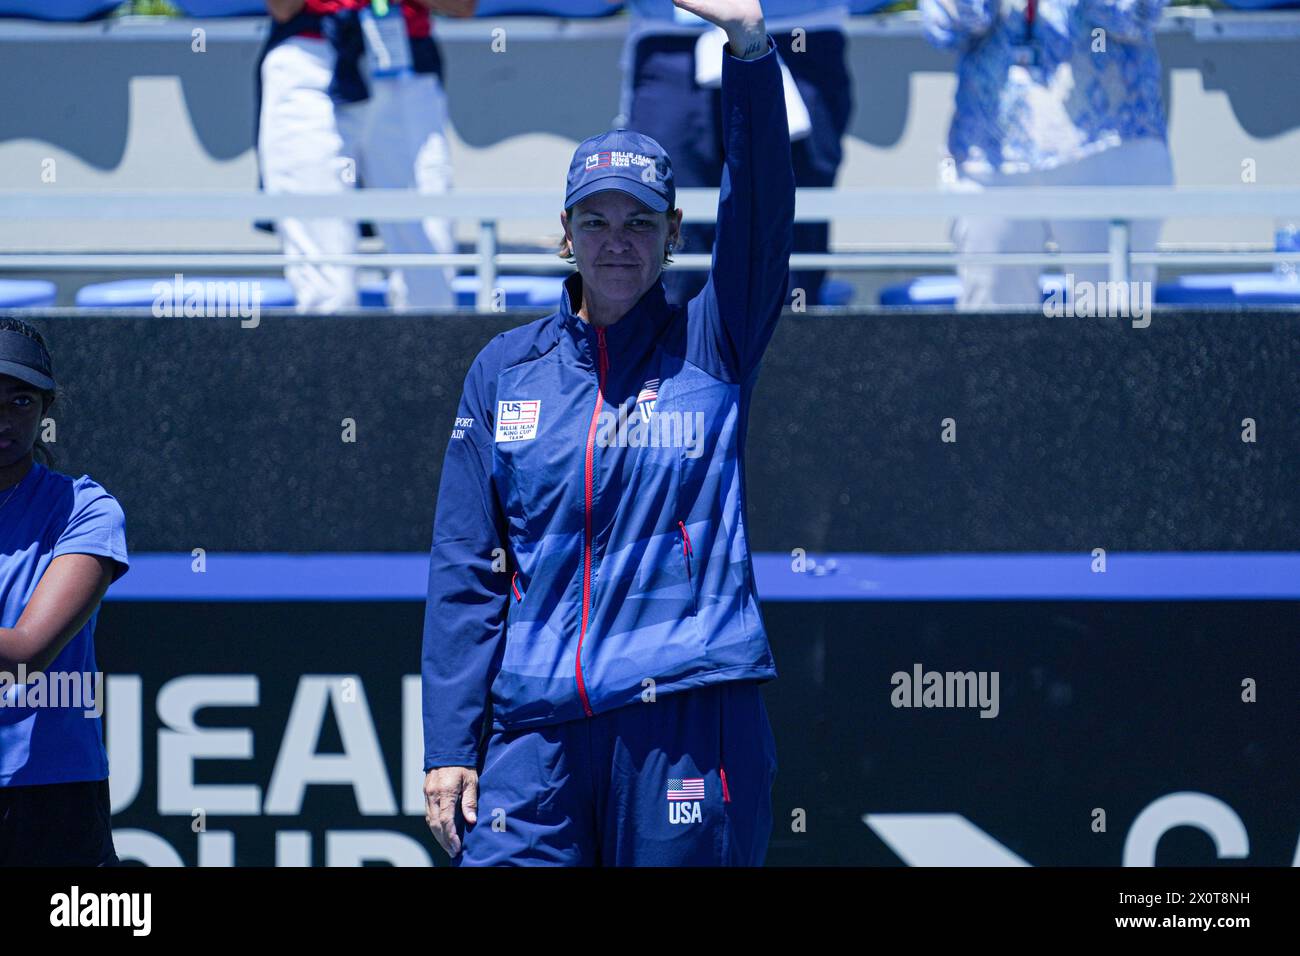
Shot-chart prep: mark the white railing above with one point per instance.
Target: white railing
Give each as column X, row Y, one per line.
column 1118, row 205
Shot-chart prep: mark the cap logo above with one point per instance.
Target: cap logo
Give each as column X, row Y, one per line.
column 618, row 158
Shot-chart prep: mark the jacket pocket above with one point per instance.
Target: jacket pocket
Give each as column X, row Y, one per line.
column 514, row 609
column 688, row 559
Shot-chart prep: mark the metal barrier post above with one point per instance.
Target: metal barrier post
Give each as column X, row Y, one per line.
column 1119, row 251
column 487, row 264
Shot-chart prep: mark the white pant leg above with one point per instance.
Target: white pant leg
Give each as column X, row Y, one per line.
column 986, row 286
column 405, row 147
column 1143, row 162
column 433, row 176
column 301, row 150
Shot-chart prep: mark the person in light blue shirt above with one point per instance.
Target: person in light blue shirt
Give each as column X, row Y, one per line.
column 1049, row 93
column 62, row 543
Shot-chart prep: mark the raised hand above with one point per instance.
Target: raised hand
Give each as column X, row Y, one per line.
column 741, row 19
column 725, row 13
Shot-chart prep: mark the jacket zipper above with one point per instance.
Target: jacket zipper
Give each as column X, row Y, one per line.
column 601, row 368
column 514, row 587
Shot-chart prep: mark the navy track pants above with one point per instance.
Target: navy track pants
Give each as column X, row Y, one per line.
column 685, row 780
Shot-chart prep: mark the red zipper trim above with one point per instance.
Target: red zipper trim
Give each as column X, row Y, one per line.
column 687, row 548
column 722, row 745
column 601, row 368
column 514, row 587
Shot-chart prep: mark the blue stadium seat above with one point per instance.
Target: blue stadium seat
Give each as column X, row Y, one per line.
column 373, row 293
column 548, row 8
column 26, row 293
column 944, row 290
column 522, row 292
column 222, row 8
column 141, row 293
column 67, row 11
column 836, row 292
column 1262, row 4
column 868, row 6
column 1051, row 283
column 926, row 290
column 1231, row 288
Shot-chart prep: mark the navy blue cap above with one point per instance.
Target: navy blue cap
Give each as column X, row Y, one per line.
column 625, row 160
column 25, row 359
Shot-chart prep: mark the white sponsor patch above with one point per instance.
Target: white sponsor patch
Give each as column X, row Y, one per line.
column 517, row 421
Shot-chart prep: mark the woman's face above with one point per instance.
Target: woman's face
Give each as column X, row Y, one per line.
column 21, row 407
column 619, row 245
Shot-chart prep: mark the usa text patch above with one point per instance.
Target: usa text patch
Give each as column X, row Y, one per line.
column 517, row 421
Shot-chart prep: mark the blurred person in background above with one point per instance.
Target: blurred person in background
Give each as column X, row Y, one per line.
column 1049, row 93
column 672, row 70
column 352, row 93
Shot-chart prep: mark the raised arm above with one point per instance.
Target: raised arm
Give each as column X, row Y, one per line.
column 733, row 317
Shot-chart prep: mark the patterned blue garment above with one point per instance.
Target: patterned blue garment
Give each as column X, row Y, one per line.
column 1072, row 103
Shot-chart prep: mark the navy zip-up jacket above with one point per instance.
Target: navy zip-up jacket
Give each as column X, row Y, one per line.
column 590, row 535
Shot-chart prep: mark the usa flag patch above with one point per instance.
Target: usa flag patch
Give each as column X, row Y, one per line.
column 646, row 398
column 686, row 788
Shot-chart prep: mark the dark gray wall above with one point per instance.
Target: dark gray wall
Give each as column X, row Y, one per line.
column 1071, row 434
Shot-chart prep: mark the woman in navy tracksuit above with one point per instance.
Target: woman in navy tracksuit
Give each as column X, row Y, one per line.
column 590, row 577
